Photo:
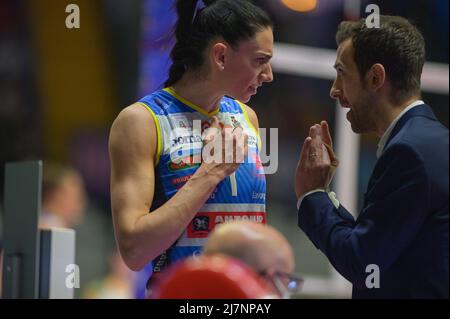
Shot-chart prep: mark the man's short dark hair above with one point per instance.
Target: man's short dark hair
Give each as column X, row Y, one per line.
column 396, row 44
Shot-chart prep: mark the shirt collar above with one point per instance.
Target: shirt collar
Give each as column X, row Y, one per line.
column 387, row 133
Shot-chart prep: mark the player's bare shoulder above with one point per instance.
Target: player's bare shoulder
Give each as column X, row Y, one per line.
column 132, row 131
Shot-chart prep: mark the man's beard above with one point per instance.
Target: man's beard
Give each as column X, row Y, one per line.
column 361, row 117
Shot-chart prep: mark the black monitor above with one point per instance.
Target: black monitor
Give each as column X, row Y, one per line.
column 22, row 204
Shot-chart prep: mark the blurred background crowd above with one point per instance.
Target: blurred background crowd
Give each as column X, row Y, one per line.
column 60, row 90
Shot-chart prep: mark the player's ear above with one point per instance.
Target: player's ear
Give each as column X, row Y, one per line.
column 218, row 55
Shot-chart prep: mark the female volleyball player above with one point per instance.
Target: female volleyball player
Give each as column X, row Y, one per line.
column 220, row 59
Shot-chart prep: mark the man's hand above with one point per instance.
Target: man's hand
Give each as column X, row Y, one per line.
column 328, row 143
column 317, row 163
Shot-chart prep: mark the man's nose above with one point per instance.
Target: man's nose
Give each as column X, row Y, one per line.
column 335, row 91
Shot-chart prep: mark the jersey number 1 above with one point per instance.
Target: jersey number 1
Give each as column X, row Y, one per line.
column 233, row 183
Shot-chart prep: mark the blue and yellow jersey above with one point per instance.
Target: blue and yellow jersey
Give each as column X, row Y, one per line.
column 241, row 196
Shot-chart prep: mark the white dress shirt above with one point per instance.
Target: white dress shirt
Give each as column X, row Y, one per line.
column 387, row 133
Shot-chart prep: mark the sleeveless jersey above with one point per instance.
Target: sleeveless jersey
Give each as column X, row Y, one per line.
column 179, row 125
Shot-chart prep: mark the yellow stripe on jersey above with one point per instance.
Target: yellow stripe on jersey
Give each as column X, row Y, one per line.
column 242, row 105
column 191, row 105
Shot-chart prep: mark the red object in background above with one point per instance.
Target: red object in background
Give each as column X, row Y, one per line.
column 210, row 277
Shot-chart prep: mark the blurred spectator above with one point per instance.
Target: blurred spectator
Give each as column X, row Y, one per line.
column 65, row 203
column 117, row 284
column 63, row 196
column 261, row 247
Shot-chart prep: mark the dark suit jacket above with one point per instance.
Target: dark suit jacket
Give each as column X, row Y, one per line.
column 403, row 226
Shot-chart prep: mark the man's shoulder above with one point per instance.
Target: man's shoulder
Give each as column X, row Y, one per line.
column 421, row 145
column 420, row 131
column 424, row 136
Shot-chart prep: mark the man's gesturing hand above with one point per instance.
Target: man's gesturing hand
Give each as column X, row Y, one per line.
column 317, row 162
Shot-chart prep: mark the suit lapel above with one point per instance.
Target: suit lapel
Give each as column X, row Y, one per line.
column 420, row 110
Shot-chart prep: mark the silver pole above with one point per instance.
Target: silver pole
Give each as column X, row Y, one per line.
column 347, row 149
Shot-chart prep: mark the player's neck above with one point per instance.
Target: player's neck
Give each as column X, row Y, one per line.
column 199, row 92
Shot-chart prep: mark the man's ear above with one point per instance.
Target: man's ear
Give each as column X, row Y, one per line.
column 376, row 77
column 218, row 52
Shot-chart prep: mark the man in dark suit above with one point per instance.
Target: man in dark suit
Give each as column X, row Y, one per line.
column 398, row 245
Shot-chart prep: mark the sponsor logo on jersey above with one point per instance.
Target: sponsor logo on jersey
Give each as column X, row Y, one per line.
column 200, row 223
column 181, row 140
column 178, row 182
column 203, row 223
column 260, row 196
column 182, row 164
column 235, row 122
column 252, row 141
column 200, row 226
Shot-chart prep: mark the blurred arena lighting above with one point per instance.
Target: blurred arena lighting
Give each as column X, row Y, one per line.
column 318, row 63
column 300, row 5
